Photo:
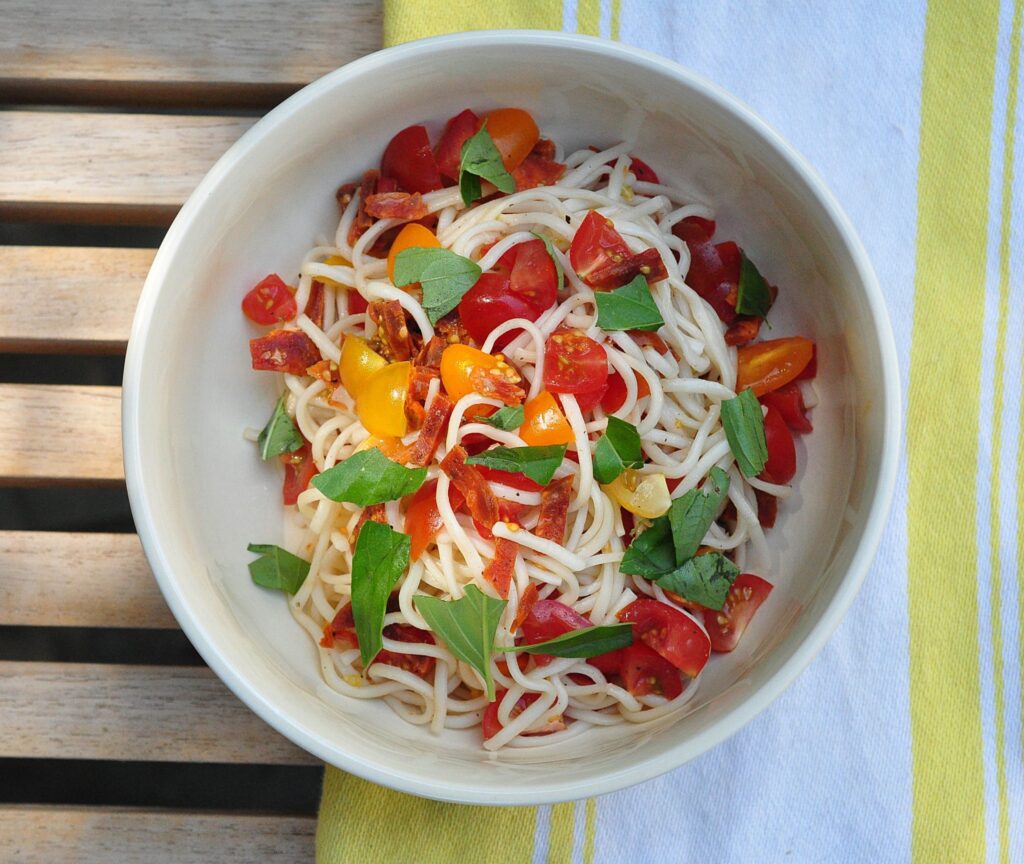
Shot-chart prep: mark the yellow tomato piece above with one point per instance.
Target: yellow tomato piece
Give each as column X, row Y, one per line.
column 411, row 236
column 457, row 365
column 390, row 447
column 358, row 363
column 544, row 422
column 380, row 402
column 334, row 261
column 645, row 495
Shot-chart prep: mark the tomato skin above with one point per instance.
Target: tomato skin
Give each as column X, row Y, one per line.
column 766, row 366
column 356, row 302
column 610, row 663
column 574, row 363
column 515, row 479
column 714, row 269
column 595, row 245
column 270, row 301
column 359, row 362
column 811, row 369
column 491, row 724
column 544, row 422
column 418, row 664
column 514, row 132
column 422, row 519
column 533, row 276
column 409, row 160
column 725, row 627
column 380, row 402
column 299, row 469
column 781, row 464
column 489, row 303
column 645, row 671
column 615, row 395
column 675, row 636
column 411, row 236
column 695, row 229
column 449, row 149
column 548, row 619
column 788, row 400
column 642, row 171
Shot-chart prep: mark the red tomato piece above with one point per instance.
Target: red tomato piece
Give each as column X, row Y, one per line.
column 595, row 245
column 489, row 303
column 422, row 518
column 587, row 402
column 615, row 274
column 492, row 725
column 533, row 276
column 356, row 302
column 299, row 469
column 449, row 150
column 781, row 464
column 645, row 671
column 767, row 508
column 714, row 269
column 341, row 630
column 811, row 369
column 548, row 619
column 788, row 400
column 642, row 171
column 694, row 229
column 418, row 664
column 675, row 636
column 515, row 479
column 610, row 663
column 283, row 351
column 614, row 394
column 270, row 301
column 726, row 626
column 574, row 363
column 409, row 160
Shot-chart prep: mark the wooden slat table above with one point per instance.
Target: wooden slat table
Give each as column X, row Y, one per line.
column 110, row 113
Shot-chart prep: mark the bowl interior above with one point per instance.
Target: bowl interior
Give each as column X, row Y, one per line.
column 200, row 493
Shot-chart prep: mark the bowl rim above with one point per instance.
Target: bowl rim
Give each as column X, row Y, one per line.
column 252, row 693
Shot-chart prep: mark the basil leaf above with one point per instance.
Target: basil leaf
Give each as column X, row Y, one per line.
column 369, row 477
column 630, row 307
column 585, row 642
column 537, row 463
column 753, row 296
column 705, row 579
column 617, row 450
column 551, row 251
column 508, row 418
column 277, row 568
column 651, row 554
column 380, row 558
column 744, row 430
column 279, row 435
column 692, row 514
column 481, row 159
column 466, row 626
column 444, row 276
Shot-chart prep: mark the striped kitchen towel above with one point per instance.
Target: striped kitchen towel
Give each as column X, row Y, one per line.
column 903, row 740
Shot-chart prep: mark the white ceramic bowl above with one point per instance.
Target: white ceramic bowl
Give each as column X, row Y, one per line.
column 199, row 493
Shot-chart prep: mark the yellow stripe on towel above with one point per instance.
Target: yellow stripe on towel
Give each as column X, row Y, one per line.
column 405, row 20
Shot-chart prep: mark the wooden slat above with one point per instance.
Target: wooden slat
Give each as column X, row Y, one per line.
column 249, row 46
column 42, row 835
column 106, row 573
column 90, row 295
column 147, row 713
column 55, row 433
column 106, row 167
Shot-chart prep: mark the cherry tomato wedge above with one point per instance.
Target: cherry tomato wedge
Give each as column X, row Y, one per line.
column 533, row 276
column 491, row 302
column 811, row 369
column 299, row 469
column 766, row 366
column 418, row 664
column 645, row 671
column 574, row 363
column 548, row 619
column 781, row 464
column 514, row 133
column 788, row 400
column 409, row 160
column 422, row 519
column 449, row 149
column 615, row 395
column 544, row 422
column 675, row 636
column 492, row 725
column 642, row 171
column 411, row 236
column 726, row 626
column 271, row 301
column 695, row 229
column 509, row 478
column 595, row 245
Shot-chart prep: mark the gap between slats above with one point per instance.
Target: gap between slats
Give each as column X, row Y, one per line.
column 124, row 713
column 88, row 835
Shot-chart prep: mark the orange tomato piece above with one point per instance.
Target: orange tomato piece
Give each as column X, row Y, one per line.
column 411, row 236
column 544, row 422
column 458, row 362
column 766, row 366
column 514, row 133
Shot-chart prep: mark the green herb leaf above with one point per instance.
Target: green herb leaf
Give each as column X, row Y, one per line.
column 380, row 558
column 467, row 626
column 585, row 642
column 444, row 276
column 508, row 418
column 744, row 430
column 651, row 554
column 537, row 463
column 617, row 450
column 630, row 307
column 551, row 251
column 369, row 477
column 277, row 568
column 753, row 297
column 481, row 159
column 279, row 435
column 705, row 579
column 692, row 514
